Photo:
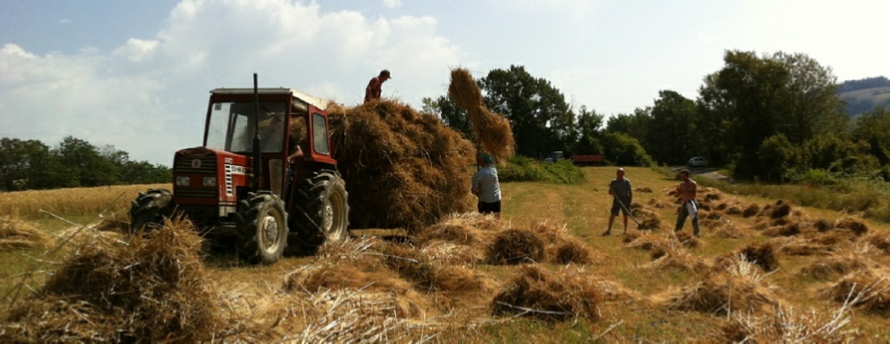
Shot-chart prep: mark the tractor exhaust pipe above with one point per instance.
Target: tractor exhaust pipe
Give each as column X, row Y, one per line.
column 257, row 153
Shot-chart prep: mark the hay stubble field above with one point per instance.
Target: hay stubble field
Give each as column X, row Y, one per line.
column 458, row 281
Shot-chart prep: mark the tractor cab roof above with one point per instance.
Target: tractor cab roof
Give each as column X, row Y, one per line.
column 316, row 102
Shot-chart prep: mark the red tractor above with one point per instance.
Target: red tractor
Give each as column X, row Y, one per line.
column 240, row 186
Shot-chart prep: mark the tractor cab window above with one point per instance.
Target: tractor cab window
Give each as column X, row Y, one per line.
column 320, row 134
column 231, row 126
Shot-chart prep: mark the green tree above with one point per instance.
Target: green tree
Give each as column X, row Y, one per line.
column 143, row 172
column 450, row 113
column 23, row 163
column 789, row 94
column 589, row 132
column 713, row 123
column 635, row 125
column 777, row 156
column 85, row 164
column 624, row 150
column 673, row 135
column 874, row 128
column 539, row 116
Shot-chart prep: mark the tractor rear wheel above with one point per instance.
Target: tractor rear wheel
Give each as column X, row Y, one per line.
column 261, row 224
column 148, row 210
column 322, row 213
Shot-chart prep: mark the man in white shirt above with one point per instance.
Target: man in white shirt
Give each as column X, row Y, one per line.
column 486, row 186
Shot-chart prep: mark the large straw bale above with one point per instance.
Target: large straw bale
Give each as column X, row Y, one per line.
column 492, row 131
column 555, row 296
column 403, row 169
column 148, row 288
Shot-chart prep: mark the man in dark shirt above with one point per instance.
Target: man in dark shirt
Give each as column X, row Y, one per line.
column 622, row 196
column 374, row 89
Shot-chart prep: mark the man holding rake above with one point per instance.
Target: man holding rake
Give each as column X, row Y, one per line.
column 622, row 196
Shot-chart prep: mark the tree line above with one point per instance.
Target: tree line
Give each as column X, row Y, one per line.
column 772, row 117
column 31, row 164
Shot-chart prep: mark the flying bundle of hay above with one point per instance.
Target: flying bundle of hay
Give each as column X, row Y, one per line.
column 143, row 289
column 16, row 234
column 554, row 296
column 403, row 169
column 492, row 132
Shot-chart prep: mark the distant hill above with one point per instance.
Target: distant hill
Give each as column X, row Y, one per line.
column 865, row 94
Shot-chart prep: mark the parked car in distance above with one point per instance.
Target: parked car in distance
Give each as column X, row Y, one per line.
column 555, row 156
column 697, row 162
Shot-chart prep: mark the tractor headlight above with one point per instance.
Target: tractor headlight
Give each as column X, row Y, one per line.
column 182, row 181
column 209, row 181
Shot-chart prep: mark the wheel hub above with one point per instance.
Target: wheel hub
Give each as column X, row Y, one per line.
column 269, row 232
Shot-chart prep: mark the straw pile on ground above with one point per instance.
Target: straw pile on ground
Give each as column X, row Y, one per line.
column 868, row 289
column 762, row 255
column 556, row 296
column 142, row 289
column 841, row 262
column 738, row 287
column 516, row 246
column 17, row 234
column 492, row 131
column 403, row 169
column 787, row 325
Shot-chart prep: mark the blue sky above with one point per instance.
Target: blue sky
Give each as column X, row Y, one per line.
column 136, row 74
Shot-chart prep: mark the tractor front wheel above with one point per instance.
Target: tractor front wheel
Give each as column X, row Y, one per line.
column 261, row 223
column 148, row 210
column 322, row 213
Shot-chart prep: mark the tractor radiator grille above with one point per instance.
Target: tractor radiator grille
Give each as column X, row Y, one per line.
column 195, row 193
column 203, row 164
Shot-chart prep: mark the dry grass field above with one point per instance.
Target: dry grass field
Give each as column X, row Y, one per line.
column 763, row 271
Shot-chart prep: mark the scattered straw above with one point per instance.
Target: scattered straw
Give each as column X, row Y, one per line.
column 18, row 234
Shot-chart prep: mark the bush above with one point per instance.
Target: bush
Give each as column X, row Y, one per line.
column 522, row 169
column 624, row 150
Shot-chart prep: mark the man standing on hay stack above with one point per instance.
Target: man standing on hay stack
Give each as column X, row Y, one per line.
column 622, row 196
column 486, row 186
column 372, row 92
column 688, row 206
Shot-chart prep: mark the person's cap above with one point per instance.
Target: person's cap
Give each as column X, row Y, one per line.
column 385, row 73
column 487, row 158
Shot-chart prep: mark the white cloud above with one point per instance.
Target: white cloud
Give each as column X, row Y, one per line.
column 392, row 3
column 147, row 96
